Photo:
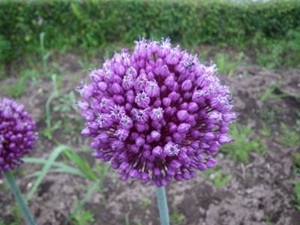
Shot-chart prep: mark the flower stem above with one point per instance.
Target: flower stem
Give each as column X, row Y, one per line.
column 18, row 196
column 162, row 205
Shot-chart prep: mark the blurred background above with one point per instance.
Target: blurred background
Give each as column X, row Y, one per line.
column 46, row 50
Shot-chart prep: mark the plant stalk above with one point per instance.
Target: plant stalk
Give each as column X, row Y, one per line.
column 18, row 196
column 162, row 205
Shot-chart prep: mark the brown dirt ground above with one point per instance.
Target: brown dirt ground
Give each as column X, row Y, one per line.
column 259, row 193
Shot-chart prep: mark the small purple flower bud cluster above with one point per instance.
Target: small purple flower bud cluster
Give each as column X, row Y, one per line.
column 17, row 134
column 156, row 114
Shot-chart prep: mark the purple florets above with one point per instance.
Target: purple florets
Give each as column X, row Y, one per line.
column 17, row 134
column 157, row 113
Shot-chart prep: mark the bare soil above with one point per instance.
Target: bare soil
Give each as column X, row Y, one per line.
column 258, row 193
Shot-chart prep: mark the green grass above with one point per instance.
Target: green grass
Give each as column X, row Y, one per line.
column 269, row 219
column 269, row 92
column 65, row 107
column 217, row 177
column 278, row 52
column 297, row 195
column 17, row 89
column 245, row 142
column 271, row 56
column 67, row 119
column 297, row 159
column 289, row 137
column 177, row 217
column 146, row 202
column 127, row 222
column 293, row 43
column 50, row 125
column 268, row 115
column 16, row 217
column 297, row 184
column 298, row 121
column 296, row 171
column 15, row 214
column 264, row 130
column 227, row 65
column 82, row 217
column 48, row 164
column 79, row 167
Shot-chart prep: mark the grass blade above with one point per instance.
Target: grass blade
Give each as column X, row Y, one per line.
column 55, row 153
column 60, row 167
column 82, row 164
column 59, row 170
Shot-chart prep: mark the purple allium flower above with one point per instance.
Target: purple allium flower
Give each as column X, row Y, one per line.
column 17, row 134
column 156, row 114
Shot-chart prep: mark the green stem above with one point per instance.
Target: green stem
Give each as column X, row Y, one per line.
column 162, row 205
column 18, row 196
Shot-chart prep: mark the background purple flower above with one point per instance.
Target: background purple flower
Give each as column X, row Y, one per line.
column 157, row 113
column 17, row 134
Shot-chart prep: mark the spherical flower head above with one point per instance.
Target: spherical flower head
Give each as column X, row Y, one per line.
column 157, row 114
column 17, row 134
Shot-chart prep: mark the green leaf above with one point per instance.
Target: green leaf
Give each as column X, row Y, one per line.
column 297, row 187
column 82, row 164
column 50, row 161
column 60, row 168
